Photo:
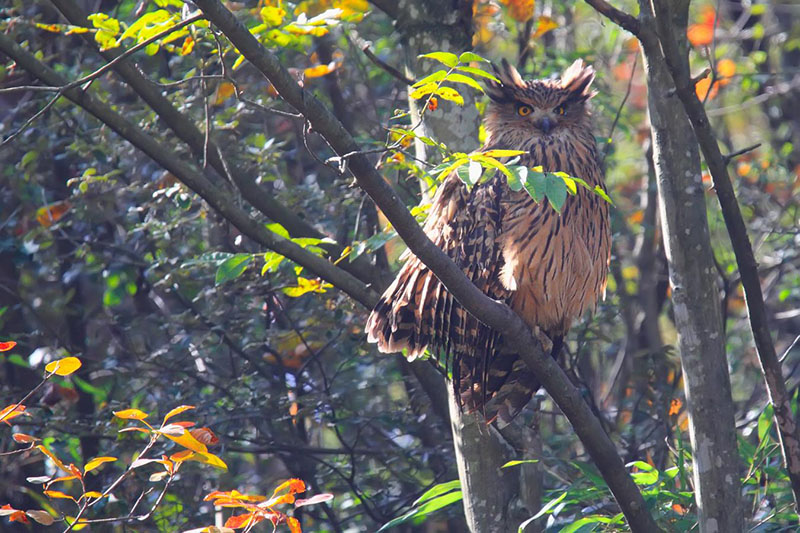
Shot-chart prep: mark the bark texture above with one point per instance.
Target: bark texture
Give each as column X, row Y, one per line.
column 695, row 300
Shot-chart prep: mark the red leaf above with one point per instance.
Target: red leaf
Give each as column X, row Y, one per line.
column 6, row 346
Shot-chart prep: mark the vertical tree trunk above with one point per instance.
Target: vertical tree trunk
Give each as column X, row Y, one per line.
column 695, row 296
column 494, row 499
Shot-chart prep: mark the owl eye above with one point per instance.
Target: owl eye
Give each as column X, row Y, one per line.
column 560, row 110
column 524, row 110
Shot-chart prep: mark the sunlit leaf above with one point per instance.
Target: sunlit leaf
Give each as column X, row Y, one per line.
column 224, row 91
column 544, row 24
column 520, row 10
column 450, row 94
column 63, row 367
column 468, row 57
column 6, row 346
column 294, row 525
column 176, row 411
column 319, row 70
column 519, row 462
column 451, row 60
column 97, row 461
column 57, row 494
column 242, row 520
column 131, row 414
column 10, row 412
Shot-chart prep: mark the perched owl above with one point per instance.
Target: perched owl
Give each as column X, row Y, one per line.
column 549, row 267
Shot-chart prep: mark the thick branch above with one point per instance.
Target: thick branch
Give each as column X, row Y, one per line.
column 493, row 313
column 190, row 176
column 189, row 133
column 677, row 63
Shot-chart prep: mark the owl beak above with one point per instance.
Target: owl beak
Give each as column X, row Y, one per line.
column 545, row 124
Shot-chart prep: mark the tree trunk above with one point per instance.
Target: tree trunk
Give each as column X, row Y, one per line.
column 695, row 296
column 494, row 499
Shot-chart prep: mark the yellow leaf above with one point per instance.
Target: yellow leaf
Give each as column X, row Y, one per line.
column 63, row 367
column 131, row 414
column 53, row 458
column 178, row 410
column 91, row 494
column 179, row 434
column 544, row 25
column 97, row 461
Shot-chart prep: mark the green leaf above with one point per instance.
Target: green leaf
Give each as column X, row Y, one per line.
column 535, row 184
column 467, row 57
column 478, row 72
column 556, row 192
column 436, row 77
column 519, row 462
column 272, row 261
column 436, row 490
column 277, row 228
column 765, row 421
column 466, row 80
column 448, row 169
column 599, row 191
column 232, row 268
column 580, row 526
column 446, row 58
column 546, row 508
column 519, row 175
column 439, row 502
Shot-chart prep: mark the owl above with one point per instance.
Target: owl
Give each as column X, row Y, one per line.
column 550, row 267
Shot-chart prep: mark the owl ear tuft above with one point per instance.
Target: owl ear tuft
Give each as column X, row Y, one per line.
column 577, row 80
column 509, row 80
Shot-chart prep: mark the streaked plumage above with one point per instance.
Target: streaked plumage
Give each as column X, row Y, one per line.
column 549, row 267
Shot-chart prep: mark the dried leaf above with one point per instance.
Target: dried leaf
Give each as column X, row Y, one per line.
column 43, row 517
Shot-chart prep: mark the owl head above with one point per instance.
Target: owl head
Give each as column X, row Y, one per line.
column 538, row 108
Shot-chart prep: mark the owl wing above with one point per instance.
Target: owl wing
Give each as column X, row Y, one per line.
column 417, row 312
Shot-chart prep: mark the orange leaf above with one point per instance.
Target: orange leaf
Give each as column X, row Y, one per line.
column 19, row 516
column 7, row 510
column 63, row 367
column 294, row 486
column 10, row 412
column 58, row 494
column 49, row 214
column 60, row 479
column 23, row 438
column 520, row 10
column 6, row 346
column 433, row 104
column 181, row 456
column 97, row 461
column 131, row 414
column 188, row 46
column 704, row 87
column 53, row 458
column 294, row 525
column 544, row 25
column 178, row 410
column 743, row 169
column 242, row 520
column 636, row 217
column 320, row 70
column 702, row 34
column 726, row 68
column 675, row 406
column 204, row 435
column 224, row 91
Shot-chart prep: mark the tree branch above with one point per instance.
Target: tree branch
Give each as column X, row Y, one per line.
column 678, row 66
column 491, row 312
column 190, row 134
column 193, row 178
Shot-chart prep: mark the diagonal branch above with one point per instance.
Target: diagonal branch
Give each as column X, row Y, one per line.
column 193, row 178
column 491, row 312
column 678, row 64
column 190, row 134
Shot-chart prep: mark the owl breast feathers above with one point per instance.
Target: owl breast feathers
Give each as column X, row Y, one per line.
column 549, row 267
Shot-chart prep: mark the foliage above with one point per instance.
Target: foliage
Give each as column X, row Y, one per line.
column 110, row 262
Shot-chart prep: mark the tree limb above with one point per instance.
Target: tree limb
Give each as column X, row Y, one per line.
column 189, row 133
column 678, row 65
column 192, row 178
column 495, row 314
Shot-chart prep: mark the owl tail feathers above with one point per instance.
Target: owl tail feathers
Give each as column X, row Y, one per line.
column 395, row 323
